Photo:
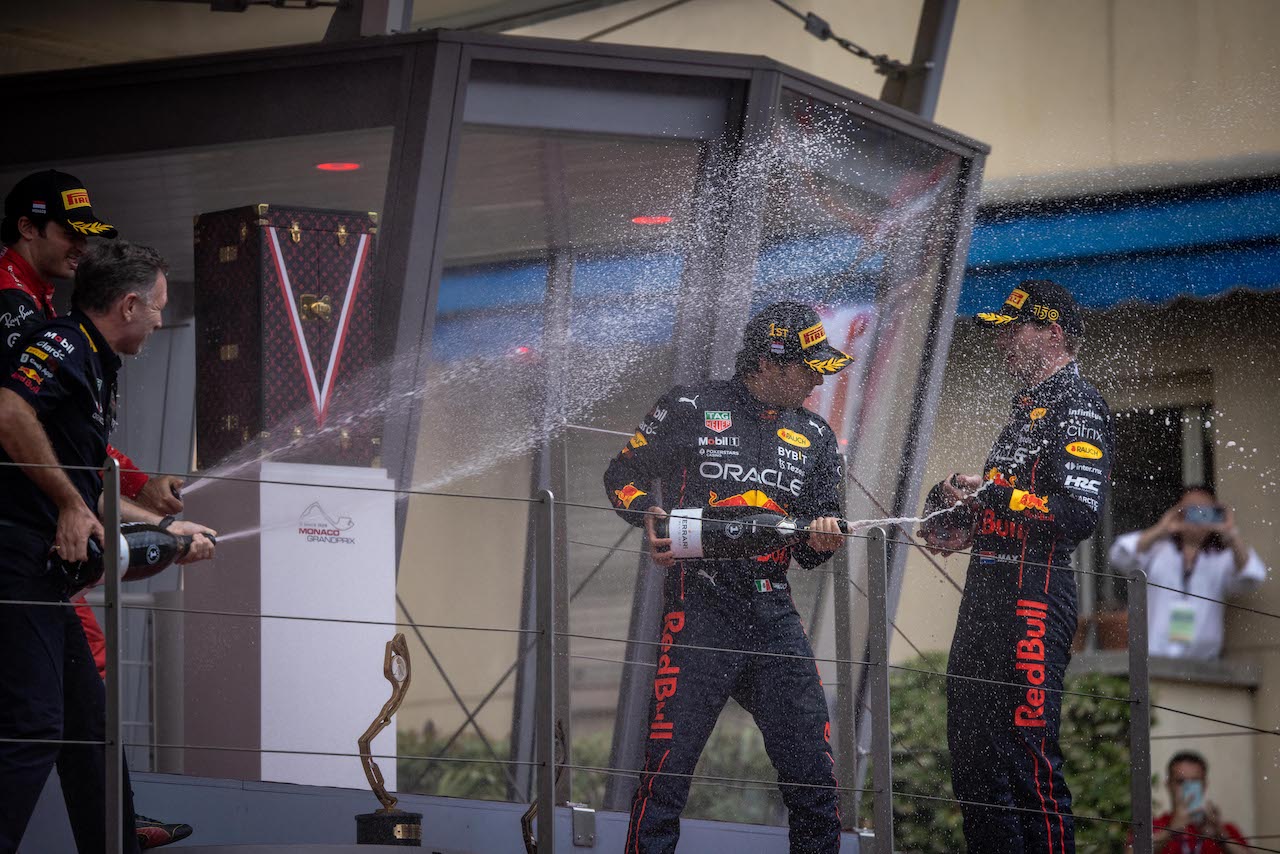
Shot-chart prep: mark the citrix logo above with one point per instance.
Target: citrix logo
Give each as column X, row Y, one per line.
column 1088, row 434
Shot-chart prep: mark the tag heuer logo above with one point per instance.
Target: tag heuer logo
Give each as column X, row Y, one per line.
column 718, row 422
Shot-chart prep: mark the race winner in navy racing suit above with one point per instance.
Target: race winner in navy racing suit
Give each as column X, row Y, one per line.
column 746, row 441
column 1044, row 483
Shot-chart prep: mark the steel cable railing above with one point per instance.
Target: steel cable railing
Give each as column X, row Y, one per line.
column 1125, row 578
column 409, row 491
column 553, row 635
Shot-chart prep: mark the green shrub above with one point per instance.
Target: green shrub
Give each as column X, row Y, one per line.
column 1095, row 741
column 1095, row 744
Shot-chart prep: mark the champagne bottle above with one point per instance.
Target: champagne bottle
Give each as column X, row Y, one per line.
column 730, row 532
column 947, row 522
column 145, row 550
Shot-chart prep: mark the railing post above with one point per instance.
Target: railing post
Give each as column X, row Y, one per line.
column 878, row 684
column 1139, row 715
column 846, row 689
column 112, row 631
column 544, row 708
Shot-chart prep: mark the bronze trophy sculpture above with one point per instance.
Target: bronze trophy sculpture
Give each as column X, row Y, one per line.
column 387, row 826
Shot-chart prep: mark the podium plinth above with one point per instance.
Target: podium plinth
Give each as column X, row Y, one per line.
column 308, row 552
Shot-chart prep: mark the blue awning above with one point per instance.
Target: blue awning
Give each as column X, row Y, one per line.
column 1195, row 243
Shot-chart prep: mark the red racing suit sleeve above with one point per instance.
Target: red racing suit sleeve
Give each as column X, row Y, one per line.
column 93, row 634
column 649, row 455
column 1068, row 481
column 132, row 479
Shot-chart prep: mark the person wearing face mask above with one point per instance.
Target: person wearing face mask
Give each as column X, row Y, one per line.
column 1194, row 825
column 1197, row 557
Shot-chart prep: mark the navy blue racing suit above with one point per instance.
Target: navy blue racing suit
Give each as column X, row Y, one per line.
column 709, row 445
column 49, row 685
column 1045, row 481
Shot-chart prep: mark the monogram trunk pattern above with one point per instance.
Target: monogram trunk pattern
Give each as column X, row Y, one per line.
column 285, row 323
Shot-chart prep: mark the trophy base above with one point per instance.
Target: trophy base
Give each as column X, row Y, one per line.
column 389, row 827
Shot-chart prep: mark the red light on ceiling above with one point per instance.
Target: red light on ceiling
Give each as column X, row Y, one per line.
column 338, row 166
column 651, row 220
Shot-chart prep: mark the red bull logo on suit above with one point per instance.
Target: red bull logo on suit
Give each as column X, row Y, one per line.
column 1030, row 660
column 667, row 680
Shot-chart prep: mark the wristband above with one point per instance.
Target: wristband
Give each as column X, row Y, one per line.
column 164, row 523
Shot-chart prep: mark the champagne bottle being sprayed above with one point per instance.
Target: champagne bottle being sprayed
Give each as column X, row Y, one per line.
column 948, row 523
column 145, row 550
column 730, row 532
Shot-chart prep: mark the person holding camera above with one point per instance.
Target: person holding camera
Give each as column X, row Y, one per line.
column 1196, row 555
column 1194, row 824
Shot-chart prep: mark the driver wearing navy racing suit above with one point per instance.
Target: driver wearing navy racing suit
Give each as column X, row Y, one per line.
column 746, row 441
column 1045, row 480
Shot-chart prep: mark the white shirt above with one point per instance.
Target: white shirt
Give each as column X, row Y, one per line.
column 1178, row 625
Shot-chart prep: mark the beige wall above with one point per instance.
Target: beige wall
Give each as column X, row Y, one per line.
column 1126, row 91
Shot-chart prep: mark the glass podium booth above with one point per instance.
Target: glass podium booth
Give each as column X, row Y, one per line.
column 561, row 232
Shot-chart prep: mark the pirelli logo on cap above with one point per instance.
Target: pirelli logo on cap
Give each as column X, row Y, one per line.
column 1017, row 298
column 75, row 198
column 812, row 335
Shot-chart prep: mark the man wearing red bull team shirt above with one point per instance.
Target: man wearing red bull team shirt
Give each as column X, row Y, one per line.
column 1039, row 496
column 730, row 628
column 48, row 219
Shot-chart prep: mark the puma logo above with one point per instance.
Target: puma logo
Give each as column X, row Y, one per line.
column 692, row 401
column 815, row 425
column 708, row 576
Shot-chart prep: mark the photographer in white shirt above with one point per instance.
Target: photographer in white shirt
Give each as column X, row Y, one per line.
column 1193, row 551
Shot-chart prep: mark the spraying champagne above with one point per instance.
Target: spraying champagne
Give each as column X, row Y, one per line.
column 145, row 550
column 731, row 532
column 949, row 524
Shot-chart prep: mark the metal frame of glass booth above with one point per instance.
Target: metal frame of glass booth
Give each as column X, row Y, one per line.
column 426, row 88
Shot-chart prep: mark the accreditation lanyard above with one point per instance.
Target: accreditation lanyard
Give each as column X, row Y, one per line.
column 1183, row 616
